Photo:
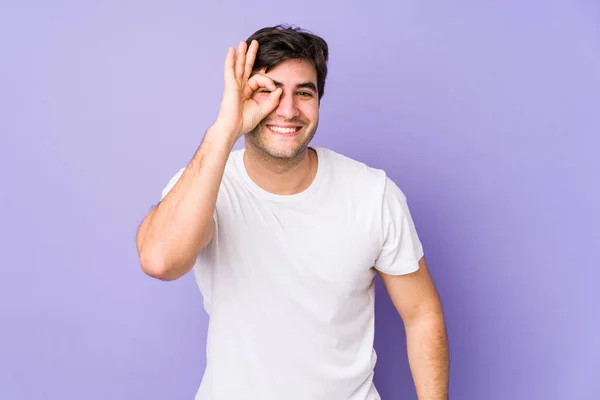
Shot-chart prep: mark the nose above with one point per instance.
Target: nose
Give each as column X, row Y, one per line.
column 287, row 107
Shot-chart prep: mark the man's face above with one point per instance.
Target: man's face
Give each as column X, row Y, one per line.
column 287, row 131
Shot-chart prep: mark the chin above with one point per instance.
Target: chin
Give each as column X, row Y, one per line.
column 281, row 152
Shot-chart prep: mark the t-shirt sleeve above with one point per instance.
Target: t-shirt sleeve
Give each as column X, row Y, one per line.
column 401, row 248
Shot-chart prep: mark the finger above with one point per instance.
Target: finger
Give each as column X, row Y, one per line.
column 267, row 106
column 250, row 58
column 261, row 81
column 228, row 71
column 240, row 59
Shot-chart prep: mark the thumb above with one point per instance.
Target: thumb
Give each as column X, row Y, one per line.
column 267, row 106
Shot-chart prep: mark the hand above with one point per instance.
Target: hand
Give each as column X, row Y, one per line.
column 239, row 113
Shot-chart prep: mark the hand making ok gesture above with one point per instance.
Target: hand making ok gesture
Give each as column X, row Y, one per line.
column 239, row 113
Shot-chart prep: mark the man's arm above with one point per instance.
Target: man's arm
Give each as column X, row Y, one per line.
column 416, row 300
column 173, row 233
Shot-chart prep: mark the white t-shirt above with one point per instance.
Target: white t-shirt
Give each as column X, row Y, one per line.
column 288, row 282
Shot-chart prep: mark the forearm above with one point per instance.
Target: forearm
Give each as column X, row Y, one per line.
column 427, row 347
column 172, row 235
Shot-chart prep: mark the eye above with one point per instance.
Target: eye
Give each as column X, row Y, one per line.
column 266, row 91
column 305, row 94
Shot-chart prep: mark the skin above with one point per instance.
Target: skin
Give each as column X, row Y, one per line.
column 174, row 232
column 416, row 299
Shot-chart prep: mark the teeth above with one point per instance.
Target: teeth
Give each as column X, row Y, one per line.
column 282, row 130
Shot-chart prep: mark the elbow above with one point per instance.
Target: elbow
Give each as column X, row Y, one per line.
column 157, row 267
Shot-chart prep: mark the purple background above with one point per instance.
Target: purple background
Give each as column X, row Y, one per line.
column 487, row 115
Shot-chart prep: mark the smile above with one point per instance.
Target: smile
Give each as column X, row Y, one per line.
column 284, row 130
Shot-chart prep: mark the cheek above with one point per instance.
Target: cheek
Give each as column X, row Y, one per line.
column 310, row 112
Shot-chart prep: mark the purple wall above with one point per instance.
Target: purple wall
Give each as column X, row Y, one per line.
column 488, row 116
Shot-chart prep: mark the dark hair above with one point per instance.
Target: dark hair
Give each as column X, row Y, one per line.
column 283, row 42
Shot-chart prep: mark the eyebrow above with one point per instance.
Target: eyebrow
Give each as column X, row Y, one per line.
column 305, row 85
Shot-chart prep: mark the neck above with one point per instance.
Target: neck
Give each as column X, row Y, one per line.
column 281, row 176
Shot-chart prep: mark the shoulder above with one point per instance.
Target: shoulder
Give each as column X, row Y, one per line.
column 352, row 172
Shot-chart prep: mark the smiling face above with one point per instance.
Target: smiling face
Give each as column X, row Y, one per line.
column 287, row 131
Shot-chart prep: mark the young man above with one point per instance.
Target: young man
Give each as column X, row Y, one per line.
column 285, row 241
